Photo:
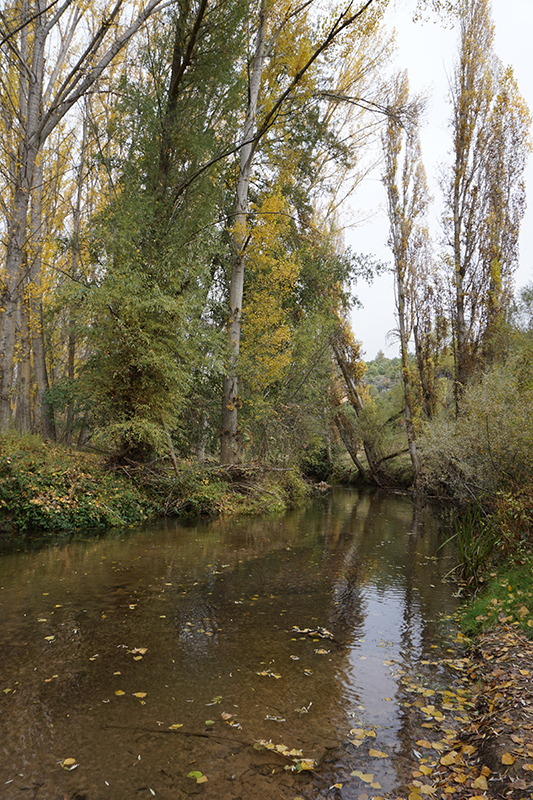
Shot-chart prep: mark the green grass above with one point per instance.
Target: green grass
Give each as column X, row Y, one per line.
column 506, row 598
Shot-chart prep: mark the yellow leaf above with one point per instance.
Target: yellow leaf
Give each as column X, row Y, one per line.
column 68, row 762
column 175, row 726
column 137, row 658
column 49, row 638
column 507, row 758
column 425, row 770
column 377, row 753
column 527, row 767
column 202, row 779
column 480, row 783
column 119, row 692
column 139, row 694
column 358, row 733
column 449, row 758
column 367, row 777
column 337, row 786
column 423, row 743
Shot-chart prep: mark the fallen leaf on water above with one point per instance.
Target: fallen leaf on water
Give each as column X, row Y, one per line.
column 527, row 767
column 49, row 638
column 225, row 716
column 68, row 764
column 119, row 692
column 508, row 759
column 175, row 726
column 377, row 753
column 358, row 733
column 200, row 778
column 137, row 658
column 139, row 694
column 209, row 722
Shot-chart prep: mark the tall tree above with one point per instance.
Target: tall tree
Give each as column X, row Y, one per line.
column 405, row 183
column 43, row 77
column 262, row 114
column 485, row 191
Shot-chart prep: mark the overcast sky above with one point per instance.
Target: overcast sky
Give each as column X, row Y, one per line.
column 428, row 51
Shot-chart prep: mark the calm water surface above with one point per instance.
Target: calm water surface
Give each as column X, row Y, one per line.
column 105, row 644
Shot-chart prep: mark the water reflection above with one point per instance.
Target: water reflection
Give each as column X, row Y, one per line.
column 105, row 644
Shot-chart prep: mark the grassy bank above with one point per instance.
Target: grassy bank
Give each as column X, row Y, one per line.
column 47, row 488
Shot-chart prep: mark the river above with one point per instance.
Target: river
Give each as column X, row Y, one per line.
column 236, row 658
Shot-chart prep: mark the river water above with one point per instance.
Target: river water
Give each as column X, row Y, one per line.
column 224, row 658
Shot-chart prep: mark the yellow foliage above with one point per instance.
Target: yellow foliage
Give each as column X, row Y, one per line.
column 273, row 272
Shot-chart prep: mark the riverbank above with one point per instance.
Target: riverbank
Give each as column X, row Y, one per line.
column 482, row 723
column 485, row 747
column 49, row 489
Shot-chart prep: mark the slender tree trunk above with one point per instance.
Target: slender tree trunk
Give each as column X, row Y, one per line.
column 230, row 447
column 23, row 370
column 357, row 405
column 42, row 418
column 404, row 344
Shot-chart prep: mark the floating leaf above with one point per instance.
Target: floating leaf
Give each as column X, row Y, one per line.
column 377, row 753
column 49, row 638
column 508, row 759
column 200, row 778
column 137, row 658
column 175, row 726
column 225, row 716
column 306, row 764
column 119, row 692
column 139, row 694
column 69, row 764
column 209, row 722
column 480, row 783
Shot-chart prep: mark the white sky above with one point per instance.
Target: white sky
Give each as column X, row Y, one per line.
column 428, row 51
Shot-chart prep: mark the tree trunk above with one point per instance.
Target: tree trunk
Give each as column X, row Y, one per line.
column 230, row 446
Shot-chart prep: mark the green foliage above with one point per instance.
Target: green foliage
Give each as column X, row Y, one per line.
column 475, row 541
column 48, row 489
column 490, row 446
column 507, row 597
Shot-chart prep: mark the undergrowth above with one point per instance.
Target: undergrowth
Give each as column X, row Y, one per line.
column 50, row 489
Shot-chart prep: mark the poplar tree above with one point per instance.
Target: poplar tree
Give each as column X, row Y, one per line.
column 404, row 179
column 485, row 198
column 47, row 66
